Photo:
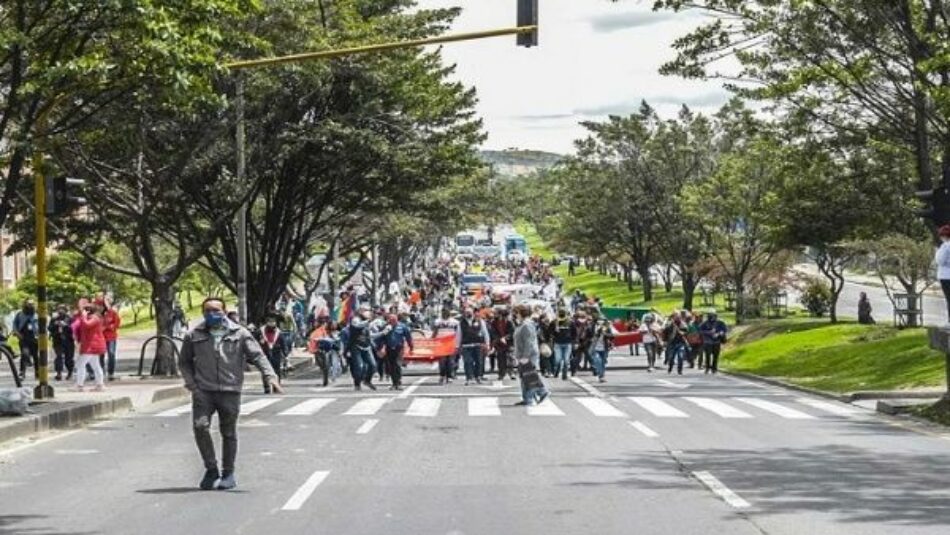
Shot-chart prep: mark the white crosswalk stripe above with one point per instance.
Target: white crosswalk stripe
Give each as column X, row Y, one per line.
column 483, row 407
column 658, row 407
column 547, row 408
column 308, row 408
column 718, row 407
column 838, row 409
column 177, row 411
column 775, row 408
column 424, row 407
column 599, row 407
column 253, row 406
column 367, row 407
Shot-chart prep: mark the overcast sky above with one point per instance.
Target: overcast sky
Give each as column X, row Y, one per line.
column 595, row 58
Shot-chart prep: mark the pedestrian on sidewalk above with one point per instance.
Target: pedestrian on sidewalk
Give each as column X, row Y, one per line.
column 61, row 334
column 714, row 333
column 26, row 329
column 212, row 360
column 111, row 321
column 943, row 266
column 92, row 343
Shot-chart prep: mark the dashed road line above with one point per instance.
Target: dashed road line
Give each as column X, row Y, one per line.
column 719, row 489
column 641, row 427
column 300, row 496
column 367, row 426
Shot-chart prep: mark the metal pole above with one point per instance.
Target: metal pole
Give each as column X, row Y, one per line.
column 324, row 54
column 43, row 390
column 242, row 212
column 375, row 272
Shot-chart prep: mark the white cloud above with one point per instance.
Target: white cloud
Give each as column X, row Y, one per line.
column 595, row 58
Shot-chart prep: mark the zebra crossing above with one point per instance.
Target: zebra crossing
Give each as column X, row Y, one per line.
column 679, row 407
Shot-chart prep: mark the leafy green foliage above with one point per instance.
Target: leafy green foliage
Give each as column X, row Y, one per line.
column 816, row 297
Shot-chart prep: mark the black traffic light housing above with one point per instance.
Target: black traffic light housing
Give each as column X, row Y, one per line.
column 528, row 16
column 61, row 194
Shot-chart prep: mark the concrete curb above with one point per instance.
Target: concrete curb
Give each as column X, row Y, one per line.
column 845, row 398
column 68, row 416
column 897, row 394
column 172, row 392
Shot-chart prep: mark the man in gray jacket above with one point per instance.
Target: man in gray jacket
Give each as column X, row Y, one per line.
column 212, row 357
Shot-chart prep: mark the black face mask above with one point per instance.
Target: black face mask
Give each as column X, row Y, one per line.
column 29, row 309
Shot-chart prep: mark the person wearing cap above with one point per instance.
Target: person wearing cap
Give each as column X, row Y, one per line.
column 714, row 333
column 943, row 266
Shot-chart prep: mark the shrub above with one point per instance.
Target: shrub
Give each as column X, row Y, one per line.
column 816, row 297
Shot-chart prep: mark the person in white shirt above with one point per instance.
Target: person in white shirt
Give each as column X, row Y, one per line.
column 943, row 265
column 651, row 330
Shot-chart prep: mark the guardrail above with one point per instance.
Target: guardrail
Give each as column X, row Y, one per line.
column 160, row 338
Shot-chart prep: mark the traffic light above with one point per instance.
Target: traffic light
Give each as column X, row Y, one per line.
column 61, row 194
column 936, row 204
column 528, row 16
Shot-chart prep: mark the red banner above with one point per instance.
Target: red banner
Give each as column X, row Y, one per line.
column 626, row 339
column 431, row 349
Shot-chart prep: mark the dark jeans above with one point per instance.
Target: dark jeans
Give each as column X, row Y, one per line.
column 28, row 351
column 712, row 356
column 228, row 405
column 675, row 353
column 65, row 358
column 945, row 286
column 447, row 367
column 394, row 364
column 110, row 354
column 651, row 348
column 472, row 356
column 363, row 365
column 504, row 364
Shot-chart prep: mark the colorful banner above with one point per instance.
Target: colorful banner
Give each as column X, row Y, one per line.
column 628, row 338
column 431, row 349
column 344, row 311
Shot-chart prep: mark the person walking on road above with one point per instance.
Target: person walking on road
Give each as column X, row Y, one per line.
column 528, row 356
column 360, row 348
column 651, row 332
column 92, row 343
column 600, row 346
column 397, row 337
column 26, row 329
column 943, row 266
column 714, row 335
column 502, row 332
column 473, row 342
column 212, row 360
column 561, row 328
column 674, row 334
column 447, row 324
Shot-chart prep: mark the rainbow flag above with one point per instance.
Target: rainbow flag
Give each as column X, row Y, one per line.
column 344, row 311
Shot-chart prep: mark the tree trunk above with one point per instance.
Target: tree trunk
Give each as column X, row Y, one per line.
column 668, row 279
column 740, row 301
column 644, row 271
column 689, row 289
column 628, row 276
column 163, row 300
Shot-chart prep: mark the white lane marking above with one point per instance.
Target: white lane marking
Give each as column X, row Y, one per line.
column 307, row 408
column 177, row 411
column 587, row 387
column 367, row 407
column 483, row 407
column 717, row 407
column 37, row 442
column 547, row 408
column 412, row 388
column 775, row 408
column 367, row 426
column 838, row 409
column 670, row 384
column 659, row 407
column 600, row 407
column 297, row 500
column 76, row 452
column 721, row 490
column 424, row 407
column 641, row 427
column 253, row 406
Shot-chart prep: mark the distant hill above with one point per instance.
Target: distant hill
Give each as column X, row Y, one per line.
column 514, row 162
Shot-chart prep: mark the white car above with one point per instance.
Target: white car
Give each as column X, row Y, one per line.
column 516, row 255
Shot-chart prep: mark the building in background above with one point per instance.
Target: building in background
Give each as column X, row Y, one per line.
column 12, row 266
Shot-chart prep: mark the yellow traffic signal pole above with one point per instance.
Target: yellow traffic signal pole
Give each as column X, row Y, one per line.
column 241, row 222
column 43, row 390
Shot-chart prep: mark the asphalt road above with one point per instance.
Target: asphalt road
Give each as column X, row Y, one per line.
column 642, row 453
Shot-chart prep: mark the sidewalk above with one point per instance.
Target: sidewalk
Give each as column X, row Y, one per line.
column 71, row 409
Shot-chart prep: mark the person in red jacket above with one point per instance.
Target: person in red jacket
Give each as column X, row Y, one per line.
column 92, row 343
column 110, row 331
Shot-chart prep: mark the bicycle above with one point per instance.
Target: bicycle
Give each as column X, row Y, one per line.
column 327, row 358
